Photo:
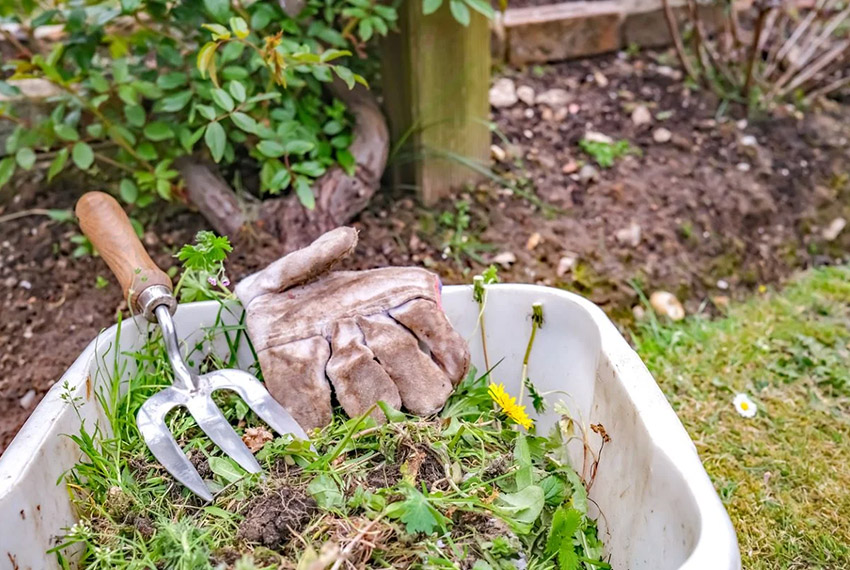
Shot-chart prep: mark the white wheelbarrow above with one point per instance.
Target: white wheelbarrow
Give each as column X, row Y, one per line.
column 657, row 509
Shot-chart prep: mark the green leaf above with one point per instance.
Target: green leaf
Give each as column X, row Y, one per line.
column 567, row 557
column 522, row 456
column 226, row 468
column 216, row 140
column 554, row 490
column 244, row 122
column 9, row 90
column 163, row 188
column 297, row 147
column 25, row 157
column 66, row 132
column 460, row 12
column 82, row 155
column 332, row 128
column 305, row 192
column 218, row 9
column 364, row 30
column 158, row 131
column 147, row 151
column 521, row 509
column 280, row 180
column 98, row 82
column 326, row 492
column 120, row 133
column 61, row 215
column 221, row 98
column 565, row 523
column 391, row 413
column 310, row 168
column 345, row 74
column 58, row 164
column 135, row 115
column 172, row 80
column 431, row 6
column 218, row 31
column 207, row 253
column 206, row 112
column 239, row 28
column 579, row 498
column 7, row 168
column 128, row 190
column 482, row 7
column 416, row 513
column 237, row 90
column 175, row 102
column 271, row 149
column 206, row 59
column 128, row 94
column 346, row 161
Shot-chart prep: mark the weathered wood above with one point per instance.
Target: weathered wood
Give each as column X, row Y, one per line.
column 436, row 79
column 339, row 197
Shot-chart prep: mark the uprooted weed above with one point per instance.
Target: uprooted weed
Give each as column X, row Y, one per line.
column 465, row 490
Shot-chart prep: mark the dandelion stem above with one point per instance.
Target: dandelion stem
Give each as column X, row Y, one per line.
column 536, row 323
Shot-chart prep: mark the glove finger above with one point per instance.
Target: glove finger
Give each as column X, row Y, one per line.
column 358, row 379
column 295, row 377
column 430, row 325
column 423, row 387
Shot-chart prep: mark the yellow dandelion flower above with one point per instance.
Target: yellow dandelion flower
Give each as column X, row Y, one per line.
column 509, row 405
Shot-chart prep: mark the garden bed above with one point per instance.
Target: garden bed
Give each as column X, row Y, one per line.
column 708, row 230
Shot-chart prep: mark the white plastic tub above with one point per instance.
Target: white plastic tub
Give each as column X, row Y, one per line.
column 658, row 508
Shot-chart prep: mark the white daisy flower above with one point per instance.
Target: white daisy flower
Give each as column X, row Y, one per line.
column 745, row 406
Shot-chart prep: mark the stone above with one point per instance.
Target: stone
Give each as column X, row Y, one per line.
column 588, row 174
column 667, row 305
column 558, row 31
column 565, row 264
column 533, row 241
column 525, row 94
column 661, row 135
column 503, row 93
column 505, row 259
column 641, row 116
column 638, row 312
column 574, row 108
column 498, row 153
column 720, row 301
column 600, row 79
column 554, row 98
column 24, row 284
column 594, row 136
column 722, row 284
column 830, row 233
column 28, row 399
column 630, row 235
column 570, row 167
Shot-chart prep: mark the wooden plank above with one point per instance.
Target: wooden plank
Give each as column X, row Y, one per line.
column 436, row 76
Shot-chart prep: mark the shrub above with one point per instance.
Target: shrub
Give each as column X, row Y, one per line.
column 144, row 82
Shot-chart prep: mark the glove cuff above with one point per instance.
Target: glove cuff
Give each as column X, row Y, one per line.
column 300, row 266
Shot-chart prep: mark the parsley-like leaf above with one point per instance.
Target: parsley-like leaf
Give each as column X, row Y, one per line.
column 208, row 253
column 538, row 402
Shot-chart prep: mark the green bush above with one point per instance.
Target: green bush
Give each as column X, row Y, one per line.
column 144, row 82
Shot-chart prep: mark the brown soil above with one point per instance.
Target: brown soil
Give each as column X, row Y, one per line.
column 273, row 518
column 708, row 228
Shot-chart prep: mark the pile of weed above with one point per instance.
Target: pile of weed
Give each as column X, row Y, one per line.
column 467, row 489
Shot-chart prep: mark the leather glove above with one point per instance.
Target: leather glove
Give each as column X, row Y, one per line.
column 376, row 335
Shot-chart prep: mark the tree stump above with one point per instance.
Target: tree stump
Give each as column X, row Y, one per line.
column 339, row 197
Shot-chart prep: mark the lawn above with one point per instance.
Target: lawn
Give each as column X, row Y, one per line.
column 784, row 475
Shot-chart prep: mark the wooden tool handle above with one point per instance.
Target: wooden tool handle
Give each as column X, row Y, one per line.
column 108, row 228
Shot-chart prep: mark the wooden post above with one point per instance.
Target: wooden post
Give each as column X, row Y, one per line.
column 436, row 78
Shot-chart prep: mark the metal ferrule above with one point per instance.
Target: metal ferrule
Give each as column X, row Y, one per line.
column 153, row 297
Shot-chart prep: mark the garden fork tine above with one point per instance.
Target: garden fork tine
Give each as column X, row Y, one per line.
column 149, row 290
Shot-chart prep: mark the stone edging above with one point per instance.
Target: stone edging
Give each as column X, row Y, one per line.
column 568, row 30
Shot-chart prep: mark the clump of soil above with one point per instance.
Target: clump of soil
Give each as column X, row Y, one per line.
column 273, row 518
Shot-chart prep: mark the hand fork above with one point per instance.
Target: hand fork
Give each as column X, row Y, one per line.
column 148, row 290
